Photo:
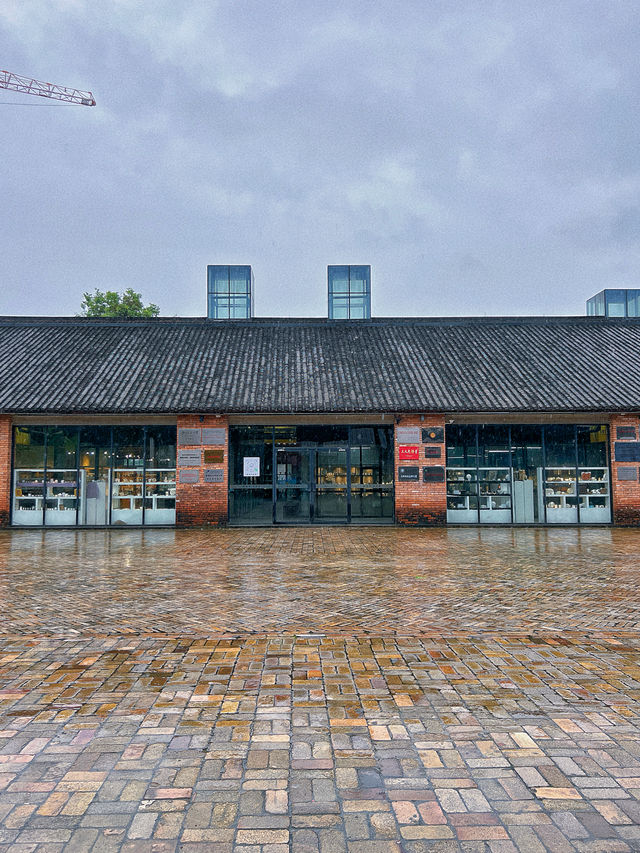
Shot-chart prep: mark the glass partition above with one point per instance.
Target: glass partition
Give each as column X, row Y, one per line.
column 63, row 484
column 560, row 487
column 317, row 473
column 528, row 488
column 127, row 475
column 160, row 476
column 462, row 475
column 29, row 452
column 95, row 466
column 93, row 475
column 371, row 474
column 593, row 475
column 528, row 474
column 494, row 474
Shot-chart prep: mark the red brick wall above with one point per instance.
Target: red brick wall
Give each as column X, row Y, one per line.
column 199, row 504
column 5, row 469
column 625, row 493
column 420, row 502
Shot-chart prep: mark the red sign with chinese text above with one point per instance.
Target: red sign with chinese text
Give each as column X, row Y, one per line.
column 408, row 451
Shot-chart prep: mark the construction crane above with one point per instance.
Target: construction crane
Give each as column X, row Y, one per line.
column 45, row 90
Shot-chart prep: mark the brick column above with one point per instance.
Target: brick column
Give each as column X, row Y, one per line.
column 5, row 469
column 199, row 504
column 625, row 493
column 417, row 501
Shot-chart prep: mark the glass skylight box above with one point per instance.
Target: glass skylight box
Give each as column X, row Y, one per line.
column 349, row 292
column 614, row 303
column 229, row 292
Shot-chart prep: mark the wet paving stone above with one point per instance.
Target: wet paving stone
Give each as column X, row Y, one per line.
column 319, row 580
column 427, row 723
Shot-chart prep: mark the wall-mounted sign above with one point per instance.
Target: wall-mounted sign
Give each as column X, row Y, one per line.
column 189, row 476
column 626, row 432
column 214, row 435
column 188, row 436
column 251, row 466
column 213, row 475
column 408, row 451
column 627, row 451
column 408, row 473
column 433, row 474
column 628, row 474
column 433, row 434
column 189, row 457
column 213, row 457
column 432, row 452
column 407, row 435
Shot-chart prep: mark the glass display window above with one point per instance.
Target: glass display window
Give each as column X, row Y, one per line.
column 94, row 455
column 93, row 475
column 528, row 473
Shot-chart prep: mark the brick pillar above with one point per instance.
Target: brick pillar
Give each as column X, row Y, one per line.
column 625, row 493
column 201, row 503
column 5, row 469
column 419, row 501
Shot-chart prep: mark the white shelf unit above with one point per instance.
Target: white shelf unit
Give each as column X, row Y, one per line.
column 560, row 497
column 160, row 496
column 495, row 495
column 594, row 495
column 157, row 491
column 462, row 495
column 63, row 492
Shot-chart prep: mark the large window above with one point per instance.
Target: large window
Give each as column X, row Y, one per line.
column 528, row 474
column 305, row 474
column 94, row 475
column 229, row 292
column 349, row 292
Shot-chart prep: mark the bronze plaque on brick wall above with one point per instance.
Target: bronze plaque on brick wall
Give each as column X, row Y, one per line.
column 188, row 436
column 432, row 452
column 211, row 457
column 214, row 435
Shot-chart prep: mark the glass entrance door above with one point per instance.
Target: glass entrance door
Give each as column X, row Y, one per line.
column 330, row 504
column 293, row 486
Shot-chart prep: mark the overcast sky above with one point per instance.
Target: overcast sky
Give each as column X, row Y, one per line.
column 482, row 156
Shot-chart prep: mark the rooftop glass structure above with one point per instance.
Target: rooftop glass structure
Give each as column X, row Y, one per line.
column 349, row 292
column 614, row 303
column 229, row 292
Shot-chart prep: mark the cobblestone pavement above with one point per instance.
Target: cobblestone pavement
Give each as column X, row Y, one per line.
column 329, row 580
column 506, row 733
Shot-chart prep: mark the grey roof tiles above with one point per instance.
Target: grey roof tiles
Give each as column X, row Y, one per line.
column 530, row 364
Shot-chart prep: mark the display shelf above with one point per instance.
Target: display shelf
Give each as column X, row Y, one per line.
column 462, row 495
column 560, row 497
column 495, row 495
column 58, row 497
column 155, row 490
column 593, row 491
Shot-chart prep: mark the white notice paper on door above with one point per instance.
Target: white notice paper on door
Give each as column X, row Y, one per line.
column 251, row 466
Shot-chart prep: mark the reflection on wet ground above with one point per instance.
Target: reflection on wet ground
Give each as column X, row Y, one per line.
column 319, row 580
column 320, row 691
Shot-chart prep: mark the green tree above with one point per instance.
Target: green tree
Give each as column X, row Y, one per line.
column 112, row 304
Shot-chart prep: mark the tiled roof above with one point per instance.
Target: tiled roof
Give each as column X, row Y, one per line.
column 74, row 365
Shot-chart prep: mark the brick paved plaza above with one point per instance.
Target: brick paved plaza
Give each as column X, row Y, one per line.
column 320, row 690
